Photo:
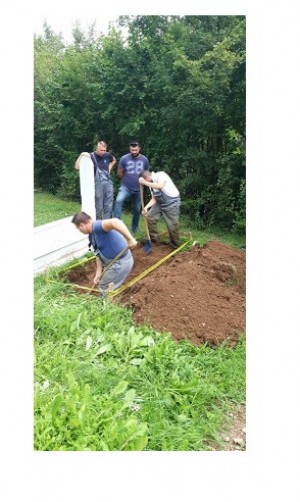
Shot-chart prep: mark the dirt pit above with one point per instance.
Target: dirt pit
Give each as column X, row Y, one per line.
column 197, row 294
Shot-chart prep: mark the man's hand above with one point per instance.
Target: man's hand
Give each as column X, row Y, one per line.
column 144, row 211
column 77, row 163
column 97, row 279
column 132, row 243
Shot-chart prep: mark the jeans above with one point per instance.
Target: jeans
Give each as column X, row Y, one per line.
column 123, row 194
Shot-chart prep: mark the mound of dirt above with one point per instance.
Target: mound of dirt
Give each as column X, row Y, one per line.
column 198, row 294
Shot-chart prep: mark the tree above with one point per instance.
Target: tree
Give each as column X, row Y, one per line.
column 177, row 83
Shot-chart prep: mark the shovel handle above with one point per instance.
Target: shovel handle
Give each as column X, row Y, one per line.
column 94, row 288
column 143, row 207
column 113, row 261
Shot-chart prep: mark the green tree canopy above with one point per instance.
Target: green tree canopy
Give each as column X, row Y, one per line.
column 177, row 83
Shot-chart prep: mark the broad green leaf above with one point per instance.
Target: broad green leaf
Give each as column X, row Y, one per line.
column 148, row 341
column 140, row 442
column 104, row 446
column 104, row 348
column 57, row 402
column 120, row 388
column 131, row 331
column 89, row 342
column 129, row 396
column 136, row 361
column 78, row 320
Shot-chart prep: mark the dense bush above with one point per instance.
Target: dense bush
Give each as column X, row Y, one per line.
column 176, row 84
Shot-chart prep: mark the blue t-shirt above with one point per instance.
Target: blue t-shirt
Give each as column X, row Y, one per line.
column 132, row 170
column 102, row 163
column 108, row 243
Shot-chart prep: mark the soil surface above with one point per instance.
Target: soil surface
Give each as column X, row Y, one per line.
column 197, row 294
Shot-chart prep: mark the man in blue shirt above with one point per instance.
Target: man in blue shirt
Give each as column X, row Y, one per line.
column 110, row 238
column 130, row 168
column 103, row 162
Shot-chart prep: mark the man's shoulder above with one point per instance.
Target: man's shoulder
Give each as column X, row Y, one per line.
column 142, row 158
column 125, row 157
column 97, row 225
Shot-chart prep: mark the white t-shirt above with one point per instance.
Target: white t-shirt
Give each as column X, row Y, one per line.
column 169, row 188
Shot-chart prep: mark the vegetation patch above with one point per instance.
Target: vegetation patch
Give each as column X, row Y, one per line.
column 102, row 383
column 106, row 380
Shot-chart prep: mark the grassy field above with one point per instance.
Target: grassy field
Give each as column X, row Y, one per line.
column 49, row 208
column 102, row 383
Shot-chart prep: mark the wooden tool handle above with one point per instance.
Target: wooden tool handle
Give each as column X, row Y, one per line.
column 145, row 217
column 114, row 261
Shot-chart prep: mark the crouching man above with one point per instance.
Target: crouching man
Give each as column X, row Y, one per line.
column 110, row 239
column 165, row 202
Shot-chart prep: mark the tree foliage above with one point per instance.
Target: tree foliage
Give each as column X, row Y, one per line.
column 175, row 83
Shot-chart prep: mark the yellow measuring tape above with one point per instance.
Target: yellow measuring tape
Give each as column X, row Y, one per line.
column 128, row 284
column 146, row 272
column 82, row 262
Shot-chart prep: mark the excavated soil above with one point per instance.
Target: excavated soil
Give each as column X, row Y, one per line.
column 198, row 294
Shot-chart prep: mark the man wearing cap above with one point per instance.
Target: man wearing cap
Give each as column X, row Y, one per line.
column 165, row 202
column 131, row 167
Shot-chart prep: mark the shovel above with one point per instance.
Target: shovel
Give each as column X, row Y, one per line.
column 94, row 288
column 147, row 245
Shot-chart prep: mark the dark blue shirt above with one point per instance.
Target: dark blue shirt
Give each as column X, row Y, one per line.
column 110, row 243
column 102, row 162
column 132, row 170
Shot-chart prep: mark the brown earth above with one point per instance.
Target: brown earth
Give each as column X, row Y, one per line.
column 198, row 294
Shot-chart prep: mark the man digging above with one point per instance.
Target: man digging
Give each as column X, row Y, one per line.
column 165, row 202
column 111, row 242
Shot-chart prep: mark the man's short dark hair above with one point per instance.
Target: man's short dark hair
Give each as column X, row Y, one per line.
column 134, row 143
column 81, row 217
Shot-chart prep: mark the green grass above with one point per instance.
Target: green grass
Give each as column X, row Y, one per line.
column 102, row 383
column 203, row 236
column 49, row 208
